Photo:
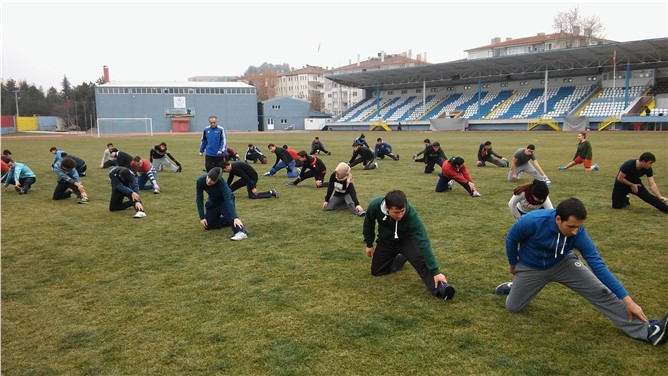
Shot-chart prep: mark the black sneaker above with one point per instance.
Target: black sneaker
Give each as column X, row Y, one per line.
column 657, row 331
column 398, row 263
column 503, row 289
column 179, row 169
column 444, row 291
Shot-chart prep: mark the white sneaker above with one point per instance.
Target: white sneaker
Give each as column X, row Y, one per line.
column 376, row 164
column 239, row 236
column 450, row 184
column 156, row 191
column 139, row 214
column 268, row 173
column 475, row 194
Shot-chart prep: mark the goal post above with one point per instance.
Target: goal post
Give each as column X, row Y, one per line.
column 143, row 126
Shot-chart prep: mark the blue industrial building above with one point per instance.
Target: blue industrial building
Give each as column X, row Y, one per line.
column 125, row 107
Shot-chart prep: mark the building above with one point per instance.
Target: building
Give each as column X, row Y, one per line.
column 306, row 83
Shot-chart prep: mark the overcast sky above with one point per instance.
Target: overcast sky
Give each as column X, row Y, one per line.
column 170, row 41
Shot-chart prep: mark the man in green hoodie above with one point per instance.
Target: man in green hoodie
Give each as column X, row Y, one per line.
column 402, row 237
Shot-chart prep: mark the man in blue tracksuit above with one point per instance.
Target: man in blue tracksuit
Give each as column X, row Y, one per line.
column 220, row 210
column 214, row 145
column 382, row 149
column 539, row 247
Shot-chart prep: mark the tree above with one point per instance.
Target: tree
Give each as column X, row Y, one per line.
column 265, row 83
column 572, row 26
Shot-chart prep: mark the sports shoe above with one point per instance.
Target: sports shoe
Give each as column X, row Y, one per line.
column 268, row 173
column 361, row 213
column 562, row 168
column 274, row 193
column 375, row 164
column 414, row 158
column 156, row 191
column 329, row 153
column 657, row 331
column 139, row 214
column 239, row 236
column 444, row 291
column 397, row 156
column 17, row 189
column 398, row 263
column 503, row 289
column 475, row 194
column 82, row 174
column 82, row 200
column 292, row 183
column 179, row 169
column 596, row 167
column 450, row 184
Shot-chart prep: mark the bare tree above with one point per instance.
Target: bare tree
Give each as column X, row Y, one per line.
column 576, row 31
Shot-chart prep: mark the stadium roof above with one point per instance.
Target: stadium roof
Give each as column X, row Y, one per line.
column 582, row 61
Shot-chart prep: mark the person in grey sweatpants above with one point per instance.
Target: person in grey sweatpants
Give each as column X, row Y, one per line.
column 524, row 160
column 539, row 247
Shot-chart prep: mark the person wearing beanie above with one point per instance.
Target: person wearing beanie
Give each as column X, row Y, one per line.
column 401, row 237
column 361, row 140
column 247, row 178
column 283, row 160
column 529, row 197
column 487, row 154
column 220, row 209
column 312, row 167
column 454, row 170
column 341, row 192
column 124, row 185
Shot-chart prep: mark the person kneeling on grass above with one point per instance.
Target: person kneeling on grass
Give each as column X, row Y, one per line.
column 454, row 170
column 220, row 209
column 341, row 192
column 124, row 184
column 312, row 167
column 21, row 175
column 539, row 248
column 68, row 181
column 402, row 237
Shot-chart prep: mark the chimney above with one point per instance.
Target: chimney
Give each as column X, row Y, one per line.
column 382, row 56
column 358, row 60
column 106, row 74
column 424, row 56
column 496, row 40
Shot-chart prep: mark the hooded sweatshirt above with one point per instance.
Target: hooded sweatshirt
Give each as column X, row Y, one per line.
column 535, row 241
column 390, row 230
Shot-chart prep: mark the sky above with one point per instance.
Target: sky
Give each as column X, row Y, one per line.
column 44, row 41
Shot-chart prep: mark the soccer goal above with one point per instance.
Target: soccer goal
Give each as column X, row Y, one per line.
column 125, row 125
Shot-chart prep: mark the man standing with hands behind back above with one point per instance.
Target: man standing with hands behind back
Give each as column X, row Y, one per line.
column 214, row 144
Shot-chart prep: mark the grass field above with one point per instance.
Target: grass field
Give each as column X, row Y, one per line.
column 90, row 292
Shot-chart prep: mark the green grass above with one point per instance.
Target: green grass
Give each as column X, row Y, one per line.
column 90, row 292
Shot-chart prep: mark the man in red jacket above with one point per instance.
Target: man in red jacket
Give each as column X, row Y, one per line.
column 454, row 170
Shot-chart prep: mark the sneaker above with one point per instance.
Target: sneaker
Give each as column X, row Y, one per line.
column 139, row 214
column 657, row 331
column 179, row 169
column 450, row 184
column 156, row 191
column 17, row 189
column 596, row 167
column 475, row 194
column 274, row 193
column 361, row 213
column 503, row 289
column 82, row 200
column 548, row 182
column 268, row 173
column 562, row 168
column 291, row 183
column 397, row 156
column 329, row 153
column 375, row 164
column 444, row 291
column 239, row 236
column 82, row 174
column 398, row 263
column 414, row 158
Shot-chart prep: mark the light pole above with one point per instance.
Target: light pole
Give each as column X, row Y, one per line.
column 16, row 96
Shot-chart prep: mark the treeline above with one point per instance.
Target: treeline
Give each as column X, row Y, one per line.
column 75, row 105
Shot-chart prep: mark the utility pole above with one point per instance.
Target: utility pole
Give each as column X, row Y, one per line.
column 16, row 96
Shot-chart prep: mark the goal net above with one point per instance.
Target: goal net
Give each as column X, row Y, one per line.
column 124, row 126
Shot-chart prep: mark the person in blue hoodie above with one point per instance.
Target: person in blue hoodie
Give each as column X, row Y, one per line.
column 21, row 175
column 213, row 145
column 402, row 237
column 539, row 247
column 382, row 149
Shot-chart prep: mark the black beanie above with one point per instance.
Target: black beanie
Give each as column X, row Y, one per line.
column 215, row 174
column 539, row 189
